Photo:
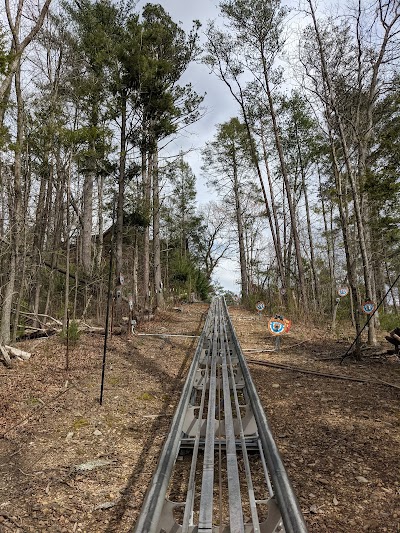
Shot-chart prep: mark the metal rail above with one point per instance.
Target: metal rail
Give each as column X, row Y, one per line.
column 230, row 477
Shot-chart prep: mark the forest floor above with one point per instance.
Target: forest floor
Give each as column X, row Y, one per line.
column 68, row 464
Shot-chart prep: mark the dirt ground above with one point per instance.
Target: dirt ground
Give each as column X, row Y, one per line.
column 68, row 464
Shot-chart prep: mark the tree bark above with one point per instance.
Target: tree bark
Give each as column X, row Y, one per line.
column 100, row 207
column 15, row 217
column 277, row 240
column 329, row 247
column 135, row 271
column 121, row 191
column 87, row 222
column 67, row 259
column 158, row 286
column 292, row 211
column 146, row 181
column 239, row 223
column 351, row 274
column 314, row 284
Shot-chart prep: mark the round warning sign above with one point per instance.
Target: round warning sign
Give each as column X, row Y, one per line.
column 260, row 306
column 343, row 291
column 368, row 307
column 276, row 326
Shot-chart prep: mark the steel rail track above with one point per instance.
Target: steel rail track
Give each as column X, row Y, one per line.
column 230, row 477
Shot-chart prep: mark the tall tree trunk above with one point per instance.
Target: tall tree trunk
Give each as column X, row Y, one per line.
column 121, row 191
column 239, row 223
column 158, row 286
column 392, row 292
column 292, row 211
column 118, row 310
column 146, row 180
column 100, row 207
column 277, row 240
column 57, row 221
column 275, row 237
column 87, row 215
column 315, row 285
column 67, row 242
column 15, row 217
column 329, row 248
column 135, row 270
column 351, row 273
column 38, row 241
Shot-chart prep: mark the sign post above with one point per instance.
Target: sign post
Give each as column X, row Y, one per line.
column 278, row 326
column 368, row 307
column 343, row 291
column 260, row 306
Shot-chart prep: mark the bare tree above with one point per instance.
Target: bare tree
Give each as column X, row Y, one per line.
column 216, row 240
column 18, row 46
column 368, row 85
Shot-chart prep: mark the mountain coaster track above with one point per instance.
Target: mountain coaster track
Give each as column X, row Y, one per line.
column 220, row 470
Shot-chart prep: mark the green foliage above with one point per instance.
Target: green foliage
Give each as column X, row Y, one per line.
column 71, row 334
column 80, row 423
column 165, row 54
column 202, row 285
column 186, row 277
column 389, row 321
column 146, row 397
column 137, row 218
column 181, row 218
column 256, row 22
column 230, row 297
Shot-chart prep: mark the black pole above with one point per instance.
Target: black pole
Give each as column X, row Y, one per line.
column 67, row 351
column 103, row 369
column 369, row 318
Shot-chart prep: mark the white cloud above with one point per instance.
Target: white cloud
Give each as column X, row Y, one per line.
column 227, row 275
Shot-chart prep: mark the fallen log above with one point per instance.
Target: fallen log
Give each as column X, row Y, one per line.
column 16, row 352
column 8, row 352
column 93, row 329
column 5, row 356
column 37, row 333
column 36, row 315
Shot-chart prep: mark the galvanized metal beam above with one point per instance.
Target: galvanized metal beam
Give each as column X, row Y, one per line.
column 219, row 384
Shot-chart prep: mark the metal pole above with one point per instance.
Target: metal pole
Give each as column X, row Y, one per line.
column 103, row 368
column 369, row 319
column 277, row 344
column 67, row 351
